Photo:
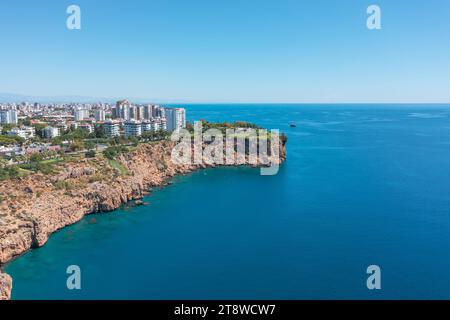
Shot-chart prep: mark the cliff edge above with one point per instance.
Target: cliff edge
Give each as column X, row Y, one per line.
column 33, row 207
column 5, row 286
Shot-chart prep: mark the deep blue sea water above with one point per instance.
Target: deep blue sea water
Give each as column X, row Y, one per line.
column 362, row 185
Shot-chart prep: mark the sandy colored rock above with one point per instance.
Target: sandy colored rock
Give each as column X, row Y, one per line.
column 34, row 207
column 5, row 286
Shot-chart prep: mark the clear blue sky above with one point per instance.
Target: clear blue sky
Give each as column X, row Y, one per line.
column 228, row 50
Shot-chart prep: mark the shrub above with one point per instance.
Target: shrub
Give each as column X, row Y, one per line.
column 90, row 154
column 112, row 152
column 63, row 185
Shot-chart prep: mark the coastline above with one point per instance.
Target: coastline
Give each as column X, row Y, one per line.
column 40, row 205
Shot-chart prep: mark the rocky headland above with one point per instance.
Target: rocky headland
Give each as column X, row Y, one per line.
column 34, row 207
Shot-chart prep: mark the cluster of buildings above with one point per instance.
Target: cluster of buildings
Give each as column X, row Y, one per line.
column 138, row 119
column 10, row 151
column 23, row 132
column 8, row 116
column 121, row 118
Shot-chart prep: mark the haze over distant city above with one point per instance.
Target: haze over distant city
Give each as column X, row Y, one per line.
column 226, row 51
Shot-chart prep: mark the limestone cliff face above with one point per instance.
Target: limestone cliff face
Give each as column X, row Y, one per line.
column 5, row 286
column 32, row 208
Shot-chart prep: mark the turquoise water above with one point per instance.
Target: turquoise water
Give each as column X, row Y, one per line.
column 362, row 185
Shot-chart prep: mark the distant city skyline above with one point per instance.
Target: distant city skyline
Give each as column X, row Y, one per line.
column 264, row 51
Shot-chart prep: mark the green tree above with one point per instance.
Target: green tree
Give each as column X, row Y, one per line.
column 39, row 129
column 77, row 145
column 98, row 132
column 90, row 154
column 36, row 157
column 89, row 144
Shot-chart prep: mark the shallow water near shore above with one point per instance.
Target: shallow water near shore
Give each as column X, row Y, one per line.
column 362, row 185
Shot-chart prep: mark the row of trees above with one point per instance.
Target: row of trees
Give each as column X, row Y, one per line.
column 78, row 134
column 223, row 126
column 72, row 134
column 68, row 135
column 10, row 140
column 35, row 162
column 118, row 145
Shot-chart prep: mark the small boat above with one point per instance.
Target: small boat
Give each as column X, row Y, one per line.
column 293, row 125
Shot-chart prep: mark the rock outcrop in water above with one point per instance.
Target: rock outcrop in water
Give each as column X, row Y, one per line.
column 34, row 207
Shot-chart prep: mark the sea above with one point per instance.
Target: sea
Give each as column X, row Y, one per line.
column 363, row 185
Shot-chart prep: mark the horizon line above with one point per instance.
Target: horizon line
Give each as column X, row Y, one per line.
column 231, row 102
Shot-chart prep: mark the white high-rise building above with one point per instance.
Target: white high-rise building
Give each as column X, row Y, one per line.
column 132, row 113
column 146, row 126
column 158, row 111
column 81, row 114
column 51, row 132
column 139, row 113
column 122, row 110
column 148, row 112
column 176, row 118
column 100, row 115
column 4, row 117
column 163, row 124
column 132, row 128
column 111, row 129
column 156, row 125
column 8, row 116
column 13, row 115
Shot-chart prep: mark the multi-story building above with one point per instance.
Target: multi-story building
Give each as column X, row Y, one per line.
column 111, row 129
column 156, row 124
column 148, row 112
column 72, row 125
column 86, row 126
column 8, row 116
column 100, row 115
column 62, row 126
column 115, row 112
column 146, row 126
column 132, row 128
column 23, row 132
column 5, row 117
column 176, row 118
column 163, row 124
column 13, row 116
column 158, row 112
column 159, row 124
column 122, row 110
column 81, row 114
column 139, row 113
column 51, row 132
column 132, row 113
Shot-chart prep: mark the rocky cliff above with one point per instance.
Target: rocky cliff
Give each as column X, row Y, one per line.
column 32, row 208
column 5, row 286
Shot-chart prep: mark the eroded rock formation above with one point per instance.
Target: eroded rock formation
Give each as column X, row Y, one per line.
column 5, row 286
column 34, row 207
